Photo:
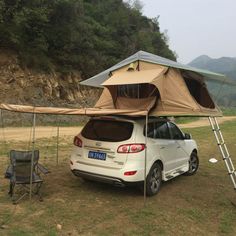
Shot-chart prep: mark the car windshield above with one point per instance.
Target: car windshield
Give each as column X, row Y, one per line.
column 107, row 130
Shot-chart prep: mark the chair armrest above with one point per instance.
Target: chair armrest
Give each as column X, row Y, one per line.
column 9, row 172
column 43, row 169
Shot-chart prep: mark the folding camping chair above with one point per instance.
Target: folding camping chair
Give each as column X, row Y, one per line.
column 19, row 174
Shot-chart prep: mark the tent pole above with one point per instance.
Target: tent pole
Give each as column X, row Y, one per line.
column 3, row 134
column 32, row 157
column 3, row 131
column 145, row 161
column 5, row 145
column 58, row 131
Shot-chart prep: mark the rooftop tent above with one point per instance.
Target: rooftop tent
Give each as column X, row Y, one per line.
column 149, row 82
column 162, row 90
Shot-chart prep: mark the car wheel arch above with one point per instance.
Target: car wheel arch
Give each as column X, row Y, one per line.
column 194, row 150
column 160, row 163
column 196, row 163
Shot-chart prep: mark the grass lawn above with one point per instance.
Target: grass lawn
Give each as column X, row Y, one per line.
column 185, row 120
column 195, row 205
column 229, row 111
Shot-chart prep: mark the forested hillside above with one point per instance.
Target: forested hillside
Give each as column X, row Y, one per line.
column 83, row 35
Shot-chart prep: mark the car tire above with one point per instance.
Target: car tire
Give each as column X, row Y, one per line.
column 154, row 179
column 193, row 164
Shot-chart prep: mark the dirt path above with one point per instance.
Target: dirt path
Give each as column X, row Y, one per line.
column 23, row 133
column 205, row 122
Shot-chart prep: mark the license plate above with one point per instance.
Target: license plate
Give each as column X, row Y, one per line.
column 97, row 155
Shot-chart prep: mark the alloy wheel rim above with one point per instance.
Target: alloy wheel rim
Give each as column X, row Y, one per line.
column 193, row 164
column 155, row 180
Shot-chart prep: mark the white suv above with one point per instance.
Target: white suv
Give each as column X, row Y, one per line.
column 112, row 150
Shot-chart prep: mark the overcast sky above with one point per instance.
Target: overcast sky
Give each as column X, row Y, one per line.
column 196, row 27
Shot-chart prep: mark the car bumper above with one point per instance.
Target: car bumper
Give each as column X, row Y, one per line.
column 104, row 179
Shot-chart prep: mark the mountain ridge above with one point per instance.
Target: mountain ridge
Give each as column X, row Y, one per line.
column 224, row 65
column 225, row 95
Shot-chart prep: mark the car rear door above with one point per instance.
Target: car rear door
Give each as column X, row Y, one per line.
column 101, row 139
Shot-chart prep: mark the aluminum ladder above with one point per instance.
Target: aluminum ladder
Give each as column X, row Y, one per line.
column 223, row 149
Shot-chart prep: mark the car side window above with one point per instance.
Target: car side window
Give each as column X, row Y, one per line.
column 150, row 130
column 175, row 132
column 158, row 130
column 161, row 130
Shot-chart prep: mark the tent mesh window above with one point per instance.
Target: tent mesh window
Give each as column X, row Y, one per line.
column 199, row 91
column 137, row 91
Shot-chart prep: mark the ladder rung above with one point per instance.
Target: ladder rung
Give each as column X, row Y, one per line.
column 232, row 172
column 215, row 130
column 227, row 157
column 221, row 143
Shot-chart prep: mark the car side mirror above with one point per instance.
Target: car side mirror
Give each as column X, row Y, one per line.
column 187, row 136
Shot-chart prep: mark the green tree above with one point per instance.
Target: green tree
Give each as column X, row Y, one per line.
column 84, row 35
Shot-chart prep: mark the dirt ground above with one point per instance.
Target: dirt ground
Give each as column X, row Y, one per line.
column 24, row 133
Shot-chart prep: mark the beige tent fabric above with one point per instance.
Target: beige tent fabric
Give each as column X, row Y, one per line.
column 150, row 66
column 105, row 101
column 175, row 97
column 125, row 68
column 71, row 111
column 173, row 91
column 135, row 77
column 142, row 103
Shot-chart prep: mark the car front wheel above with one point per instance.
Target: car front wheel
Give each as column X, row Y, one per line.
column 193, row 164
column 154, row 179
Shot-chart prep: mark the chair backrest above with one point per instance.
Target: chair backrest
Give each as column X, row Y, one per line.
column 21, row 162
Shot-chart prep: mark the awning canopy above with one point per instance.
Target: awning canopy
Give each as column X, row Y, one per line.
column 71, row 111
column 94, row 111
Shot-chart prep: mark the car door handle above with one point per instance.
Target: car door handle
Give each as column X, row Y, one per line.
column 178, row 146
column 162, row 147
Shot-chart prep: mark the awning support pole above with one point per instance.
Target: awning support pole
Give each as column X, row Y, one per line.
column 58, row 131
column 3, row 134
column 145, row 161
column 32, row 157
